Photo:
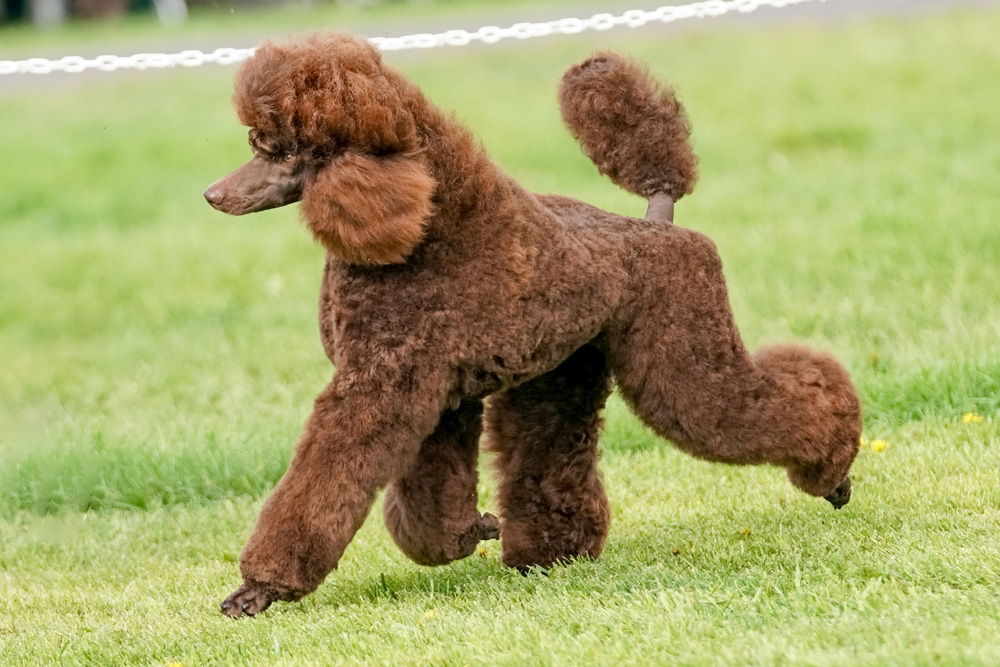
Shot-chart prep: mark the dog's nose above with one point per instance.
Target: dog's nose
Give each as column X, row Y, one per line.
column 214, row 196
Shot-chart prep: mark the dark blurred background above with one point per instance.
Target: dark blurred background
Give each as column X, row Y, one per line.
column 51, row 12
column 43, row 13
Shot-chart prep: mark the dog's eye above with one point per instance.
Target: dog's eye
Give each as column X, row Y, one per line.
column 288, row 158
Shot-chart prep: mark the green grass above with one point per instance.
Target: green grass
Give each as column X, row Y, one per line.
column 157, row 360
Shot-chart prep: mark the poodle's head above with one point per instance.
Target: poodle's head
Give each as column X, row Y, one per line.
column 333, row 127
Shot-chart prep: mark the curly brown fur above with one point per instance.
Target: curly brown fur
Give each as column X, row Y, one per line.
column 322, row 95
column 545, row 435
column 369, row 210
column 446, row 282
column 431, row 510
column 635, row 131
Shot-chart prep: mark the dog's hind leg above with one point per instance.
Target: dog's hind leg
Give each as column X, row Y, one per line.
column 545, row 433
column 431, row 510
column 680, row 364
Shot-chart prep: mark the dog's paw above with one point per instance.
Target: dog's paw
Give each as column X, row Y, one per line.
column 841, row 495
column 489, row 527
column 252, row 598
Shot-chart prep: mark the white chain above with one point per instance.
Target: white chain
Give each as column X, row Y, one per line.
column 74, row 64
column 633, row 18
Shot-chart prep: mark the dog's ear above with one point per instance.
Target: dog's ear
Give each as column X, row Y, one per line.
column 370, row 210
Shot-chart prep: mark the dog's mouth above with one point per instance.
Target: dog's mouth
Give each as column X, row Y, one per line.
column 263, row 183
column 241, row 205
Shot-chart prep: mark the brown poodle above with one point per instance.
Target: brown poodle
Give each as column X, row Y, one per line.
column 447, row 282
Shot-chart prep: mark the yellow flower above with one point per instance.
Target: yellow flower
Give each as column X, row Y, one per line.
column 971, row 418
column 879, row 445
column 864, row 441
column 430, row 613
column 746, row 531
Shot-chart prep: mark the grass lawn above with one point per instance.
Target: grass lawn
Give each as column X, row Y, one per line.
column 157, row 360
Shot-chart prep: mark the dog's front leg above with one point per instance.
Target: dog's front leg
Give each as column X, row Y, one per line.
column 366, row 427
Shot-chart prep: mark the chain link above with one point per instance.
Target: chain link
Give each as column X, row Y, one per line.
column 139, row 61
column 633, row 18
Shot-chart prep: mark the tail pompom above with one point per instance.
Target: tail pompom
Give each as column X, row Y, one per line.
column 635, row 131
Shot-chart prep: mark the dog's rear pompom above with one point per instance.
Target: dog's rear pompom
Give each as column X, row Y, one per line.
column 635, row 131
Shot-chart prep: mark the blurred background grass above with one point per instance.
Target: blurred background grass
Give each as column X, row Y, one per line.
column 258, row 18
